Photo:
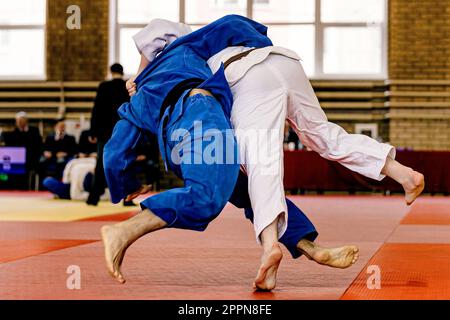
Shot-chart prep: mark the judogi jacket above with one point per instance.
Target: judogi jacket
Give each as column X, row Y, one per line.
column 180, row 66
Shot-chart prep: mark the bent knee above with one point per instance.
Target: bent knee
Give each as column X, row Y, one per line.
column 208, row 202
column 212, row 206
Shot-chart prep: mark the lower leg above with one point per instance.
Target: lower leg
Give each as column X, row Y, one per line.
column 271, row 258
column 412, row 181
column 94, row 193
column 58, row 188
column 99, row 179
column 97, row 188
column 342, row 257
column 117, row 238
column 313, row 120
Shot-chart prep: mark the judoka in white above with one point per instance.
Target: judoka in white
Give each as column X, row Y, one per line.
column 77, row 178
column 269, row 86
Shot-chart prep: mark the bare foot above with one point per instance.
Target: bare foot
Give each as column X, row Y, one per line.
column 116, row 244
column 413, row 186
column 266, row 278
column 342, row 257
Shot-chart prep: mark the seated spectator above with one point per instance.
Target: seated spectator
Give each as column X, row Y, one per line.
column 29, row 137
column 59, row 149
column 76, row 181
column 86, row 148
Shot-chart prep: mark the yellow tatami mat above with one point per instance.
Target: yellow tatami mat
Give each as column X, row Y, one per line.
column 16, row 206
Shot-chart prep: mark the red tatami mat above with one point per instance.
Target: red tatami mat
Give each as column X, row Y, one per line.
column 221, row 262
column 11, row 250
column 434, row 211
column 408, row 271
column 415, row 261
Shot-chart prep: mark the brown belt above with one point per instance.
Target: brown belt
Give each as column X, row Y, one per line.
column 203, row 92
column 237, row 57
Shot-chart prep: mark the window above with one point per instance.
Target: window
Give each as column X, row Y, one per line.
column 131, row 16
column 201, row 12
column 353, row 37
column 352, row 50
column 22, row 39
column 335, row 39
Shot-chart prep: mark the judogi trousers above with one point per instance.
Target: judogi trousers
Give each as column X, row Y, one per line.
column 200, row 148
column 271, row 92
column 298, row 225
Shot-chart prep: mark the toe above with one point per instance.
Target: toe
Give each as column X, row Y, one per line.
column 120, row 278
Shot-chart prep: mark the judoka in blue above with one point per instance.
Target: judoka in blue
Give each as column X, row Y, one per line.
column 163, row 106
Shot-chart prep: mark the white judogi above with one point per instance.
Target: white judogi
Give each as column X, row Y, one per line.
column 268, row 91
column 74, row 174
column 157, row 35
column 269, row 86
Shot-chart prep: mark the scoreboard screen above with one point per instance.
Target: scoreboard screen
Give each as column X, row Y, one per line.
column 12, row 160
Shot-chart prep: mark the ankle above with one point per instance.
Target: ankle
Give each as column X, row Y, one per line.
column 407, row 176
column 308, row 248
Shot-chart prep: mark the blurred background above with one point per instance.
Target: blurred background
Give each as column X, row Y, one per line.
column 379, row 67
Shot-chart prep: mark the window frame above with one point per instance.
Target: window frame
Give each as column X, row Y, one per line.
column 319, row 43
column 41, row 27
column 318, row 24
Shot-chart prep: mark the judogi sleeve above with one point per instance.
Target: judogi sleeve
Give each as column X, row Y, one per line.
column 118, row 157
column 158, row 34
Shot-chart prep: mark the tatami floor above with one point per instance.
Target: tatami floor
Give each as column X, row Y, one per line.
column 41, row 237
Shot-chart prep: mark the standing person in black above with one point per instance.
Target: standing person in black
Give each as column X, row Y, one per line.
column 28, row 137
column 111, row 95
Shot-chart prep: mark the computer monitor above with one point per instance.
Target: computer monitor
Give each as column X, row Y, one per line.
column 12, row 160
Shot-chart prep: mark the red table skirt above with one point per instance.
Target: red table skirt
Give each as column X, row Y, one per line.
column 307, row 170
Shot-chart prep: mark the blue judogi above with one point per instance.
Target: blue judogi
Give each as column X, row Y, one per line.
column 161, row 106
column 207, row 186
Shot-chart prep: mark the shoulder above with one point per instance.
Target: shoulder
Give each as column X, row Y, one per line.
column 104, row 84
